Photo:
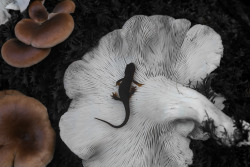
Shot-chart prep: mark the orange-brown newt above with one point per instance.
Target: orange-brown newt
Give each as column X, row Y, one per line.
column 125, row 92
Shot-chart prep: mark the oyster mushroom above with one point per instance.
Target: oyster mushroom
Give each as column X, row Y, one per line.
column 26, row 136
column 47, row 34
column 9, row 92
column 20, row 55
column 38, row 12
column 65, row 6
column 165, row 113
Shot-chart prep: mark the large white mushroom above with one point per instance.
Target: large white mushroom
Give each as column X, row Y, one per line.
column 165, row 113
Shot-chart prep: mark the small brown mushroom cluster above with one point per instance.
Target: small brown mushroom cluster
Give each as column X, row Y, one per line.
column 26, row 136
column 37, row 35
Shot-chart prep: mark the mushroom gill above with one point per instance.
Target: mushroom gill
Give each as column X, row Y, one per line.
column 164, row 112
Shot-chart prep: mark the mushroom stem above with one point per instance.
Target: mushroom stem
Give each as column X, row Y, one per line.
column 180, row 103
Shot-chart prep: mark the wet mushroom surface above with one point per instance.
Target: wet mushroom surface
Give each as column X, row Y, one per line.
column 94, row 19
column 26, row 136
column 20, row 55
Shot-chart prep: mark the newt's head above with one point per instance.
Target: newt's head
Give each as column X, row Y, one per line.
column 130, row 69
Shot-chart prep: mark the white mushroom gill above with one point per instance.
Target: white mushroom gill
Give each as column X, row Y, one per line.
column 18, row 5
column 168, row 54
column 5, row 5
column 4, row 14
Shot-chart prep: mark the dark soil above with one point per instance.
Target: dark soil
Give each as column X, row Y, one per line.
column 95, row 18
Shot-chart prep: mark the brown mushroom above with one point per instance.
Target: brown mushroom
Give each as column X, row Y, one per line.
column 38, row 12
column 26, row 136
column 66, row 6
column 18, row 54
column 47, row 34
column 9, row 92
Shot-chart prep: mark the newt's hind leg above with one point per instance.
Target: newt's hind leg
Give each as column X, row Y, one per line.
column 132, row 91
column 115, row 96
column 137, row 83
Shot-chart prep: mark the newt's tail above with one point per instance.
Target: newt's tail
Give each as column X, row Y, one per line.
column 127, row 109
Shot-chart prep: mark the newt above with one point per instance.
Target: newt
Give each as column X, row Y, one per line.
column 126, row 90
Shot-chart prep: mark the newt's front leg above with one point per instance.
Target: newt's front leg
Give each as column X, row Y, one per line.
column 137, row 83
column 119, row 82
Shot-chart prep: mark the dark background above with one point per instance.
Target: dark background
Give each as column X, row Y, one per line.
column 95, row 18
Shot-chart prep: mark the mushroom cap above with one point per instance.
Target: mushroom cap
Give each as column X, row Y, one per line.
column 47, row 34
column 26, row 136
column 65, row 6
column 18, row 54
column 38, row 12
column 9, row 92
column 165, row 112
